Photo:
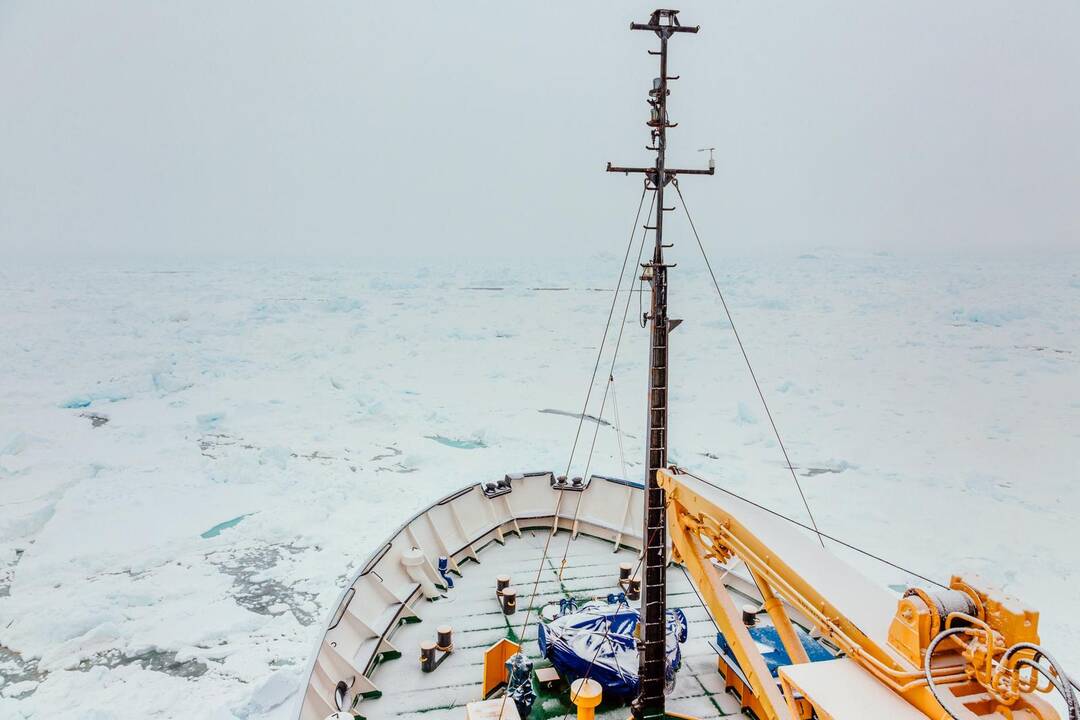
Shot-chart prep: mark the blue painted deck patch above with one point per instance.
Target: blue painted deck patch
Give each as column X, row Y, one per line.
column 216, row 530
column 454, row 443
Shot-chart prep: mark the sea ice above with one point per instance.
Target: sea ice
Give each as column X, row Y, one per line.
column 304, row 412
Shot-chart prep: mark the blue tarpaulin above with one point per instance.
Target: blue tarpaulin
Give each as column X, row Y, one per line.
column 772, row 649
column 601, row 634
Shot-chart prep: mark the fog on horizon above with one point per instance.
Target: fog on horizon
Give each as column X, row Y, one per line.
column 416, row 129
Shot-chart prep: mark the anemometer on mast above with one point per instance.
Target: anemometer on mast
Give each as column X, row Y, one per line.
column 712, row 160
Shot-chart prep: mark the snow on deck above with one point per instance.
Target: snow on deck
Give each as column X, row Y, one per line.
column 592, row 570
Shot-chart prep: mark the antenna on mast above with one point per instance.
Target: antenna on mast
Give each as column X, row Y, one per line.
column 652, row 645
column 712, row 160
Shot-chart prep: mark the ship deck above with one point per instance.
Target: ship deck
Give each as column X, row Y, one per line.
column 472, row 610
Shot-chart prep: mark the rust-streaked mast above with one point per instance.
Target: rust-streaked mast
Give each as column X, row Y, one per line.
column 652, row 643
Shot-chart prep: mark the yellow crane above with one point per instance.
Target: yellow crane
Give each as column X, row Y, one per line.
column 958, row 653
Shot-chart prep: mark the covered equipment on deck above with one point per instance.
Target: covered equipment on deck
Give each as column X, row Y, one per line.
column 598, row 641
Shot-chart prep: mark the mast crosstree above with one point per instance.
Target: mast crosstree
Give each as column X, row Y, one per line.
column 652, row 643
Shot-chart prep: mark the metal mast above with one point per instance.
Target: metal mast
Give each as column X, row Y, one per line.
column 652, row 643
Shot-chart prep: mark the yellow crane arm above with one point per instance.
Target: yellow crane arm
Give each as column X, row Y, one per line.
column 883, row 642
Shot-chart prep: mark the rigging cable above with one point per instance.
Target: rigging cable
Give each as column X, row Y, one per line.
column 640, row 310
column 607, row 326
column 704, row 607
column 615, row 354
column 618, row 426
column 820, row 534
column 1066, row 680
column 749, row 367
column 701, row 601
column 581, row 419
column 603, row 400
column 607, row 630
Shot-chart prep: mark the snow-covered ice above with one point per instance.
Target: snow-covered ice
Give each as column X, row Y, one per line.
column 193, row 459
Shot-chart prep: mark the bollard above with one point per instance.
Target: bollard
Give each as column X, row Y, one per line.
column 501, row 583
column 509, row 601
column 633, row 589
column 749, row 615
column 445, row 643
column 624, row 572
column 427, row 657
column 433, row 653
column 586, row 694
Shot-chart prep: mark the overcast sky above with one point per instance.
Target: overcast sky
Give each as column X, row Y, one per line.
column 334, row 129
